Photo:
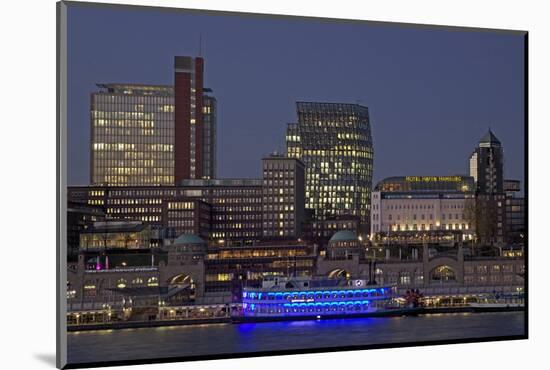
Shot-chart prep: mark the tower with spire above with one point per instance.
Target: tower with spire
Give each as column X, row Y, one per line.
column 487, row 165
column 487, row 169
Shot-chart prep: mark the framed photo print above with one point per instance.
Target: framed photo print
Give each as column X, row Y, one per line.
column 236, row 185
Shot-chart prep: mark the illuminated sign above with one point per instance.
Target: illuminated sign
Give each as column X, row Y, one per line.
column 433, row 178
column 302, row 300
column 128, row 269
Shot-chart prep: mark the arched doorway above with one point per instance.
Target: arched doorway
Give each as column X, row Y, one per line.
column 181, row 290
column 443, row 273
column 339, row 274
column 181, row 280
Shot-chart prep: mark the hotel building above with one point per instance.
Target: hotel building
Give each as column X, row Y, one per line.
column 423, row 205
column 334, row 142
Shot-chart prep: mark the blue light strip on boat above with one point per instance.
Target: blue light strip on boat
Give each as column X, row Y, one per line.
column 253, row 295
column 313, row 304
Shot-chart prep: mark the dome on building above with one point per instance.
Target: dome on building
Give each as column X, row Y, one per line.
column 343, row 236
column 189, row 239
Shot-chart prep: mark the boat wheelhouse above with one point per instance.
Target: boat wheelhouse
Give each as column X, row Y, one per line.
column 305, row 298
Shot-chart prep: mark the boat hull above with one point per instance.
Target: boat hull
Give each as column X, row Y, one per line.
column 382, row 313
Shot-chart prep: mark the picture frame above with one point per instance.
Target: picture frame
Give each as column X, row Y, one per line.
column 192, row 180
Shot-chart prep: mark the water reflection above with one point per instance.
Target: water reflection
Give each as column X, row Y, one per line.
column 143, row 343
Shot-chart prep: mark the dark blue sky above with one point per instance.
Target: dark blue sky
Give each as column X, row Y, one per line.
column 432, row 93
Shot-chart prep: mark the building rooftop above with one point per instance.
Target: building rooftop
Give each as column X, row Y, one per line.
column 116, row 227
column 423, row 184
column 317, row 104
column 489, row 138
column 189, row 239
column 221, row 182
column 343, row 236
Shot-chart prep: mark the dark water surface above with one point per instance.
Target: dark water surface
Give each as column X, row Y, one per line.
column 146, row 343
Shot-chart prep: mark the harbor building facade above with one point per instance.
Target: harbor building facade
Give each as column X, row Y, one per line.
column 202, row 273
column 334, row 142
column 427, row 266
column 424, row 205
column 191, row 277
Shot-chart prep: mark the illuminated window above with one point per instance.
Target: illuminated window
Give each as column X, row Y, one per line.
column 121, row 283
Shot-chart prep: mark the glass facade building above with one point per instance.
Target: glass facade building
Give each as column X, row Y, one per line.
column 149, row 135
column 334, row 142
column 132, row 135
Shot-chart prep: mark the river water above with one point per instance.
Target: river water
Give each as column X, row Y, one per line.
column 147, row 343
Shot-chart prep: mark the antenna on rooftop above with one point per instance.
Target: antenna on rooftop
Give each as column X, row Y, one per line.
column 200, row 45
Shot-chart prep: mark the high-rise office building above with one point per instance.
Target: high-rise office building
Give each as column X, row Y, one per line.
column 132, row 135
column 283, row 197
column 188, row 118
column 209, row 135
column 334, row 142
column 486, row 165
column 487, row 169
column 146, row 135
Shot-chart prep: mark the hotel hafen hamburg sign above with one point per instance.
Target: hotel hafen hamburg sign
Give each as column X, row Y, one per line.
column 433, row 178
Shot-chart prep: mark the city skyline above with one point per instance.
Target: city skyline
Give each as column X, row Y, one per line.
column 229, row 169
column 433, row 86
